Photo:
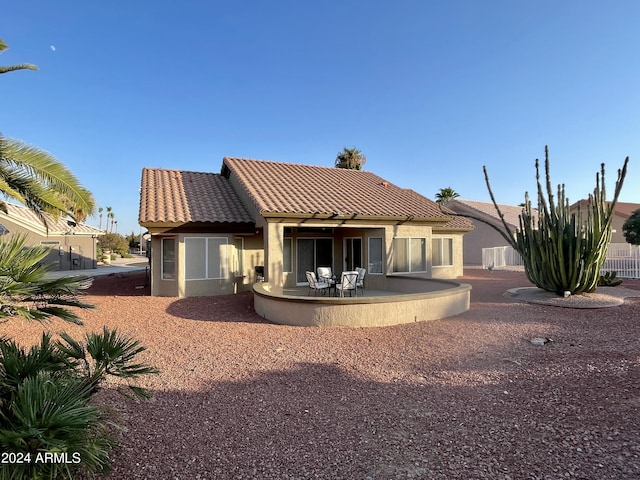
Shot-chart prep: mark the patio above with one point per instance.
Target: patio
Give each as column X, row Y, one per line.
column 408, row 299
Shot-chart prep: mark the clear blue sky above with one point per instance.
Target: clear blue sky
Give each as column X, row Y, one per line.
column 429, row 90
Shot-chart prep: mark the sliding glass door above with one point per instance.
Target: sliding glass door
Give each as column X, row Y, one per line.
column 311, row 254
column 352, row 253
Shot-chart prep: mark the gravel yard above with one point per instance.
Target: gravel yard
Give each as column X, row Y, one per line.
column 467, row 397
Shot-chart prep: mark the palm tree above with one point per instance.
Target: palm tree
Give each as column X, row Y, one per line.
column 111, row 217
column 11, row 68
column 100, row 213
column 36, row 179
column 25, row 290
column 350, row 158
column 446, row 195
column 45, row 394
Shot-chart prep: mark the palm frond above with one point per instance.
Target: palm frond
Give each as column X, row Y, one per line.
column 26, row 292
column 50, row 173
column 22, row 66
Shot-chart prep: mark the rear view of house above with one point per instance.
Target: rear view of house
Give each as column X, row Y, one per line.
column 213, row 233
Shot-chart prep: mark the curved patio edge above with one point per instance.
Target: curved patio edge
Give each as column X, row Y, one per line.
column 450, row 298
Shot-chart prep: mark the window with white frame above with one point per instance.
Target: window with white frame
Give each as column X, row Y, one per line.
column 206, row 258
column 375, row 255
column 168, row 259
column 409, row 255
column 287, row 255
column 442, row 252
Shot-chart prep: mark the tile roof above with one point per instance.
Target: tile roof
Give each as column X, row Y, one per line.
column 63, row 226
column 286, row 188
column 176, row 196
column 623, row 209
column 511, row 212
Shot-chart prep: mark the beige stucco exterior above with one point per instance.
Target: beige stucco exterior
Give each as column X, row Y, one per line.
column 264, row 244
column 70, row 251
column 414, row 300
column 268, row 251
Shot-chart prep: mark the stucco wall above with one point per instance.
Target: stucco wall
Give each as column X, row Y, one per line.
column 68, row 252
column 362, row 312
column 235, row 282
column 483, row 236
column 271, row 259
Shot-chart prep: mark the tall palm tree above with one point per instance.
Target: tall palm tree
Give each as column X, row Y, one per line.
column 106, row 225
column 350, row 158
column 100, row 214
column 446, row 195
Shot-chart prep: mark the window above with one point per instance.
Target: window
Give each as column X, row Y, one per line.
column 205, row 258
column 168, row 259
column 409, row 255
column 287, row 255
column 375, row 255
column 442, row 252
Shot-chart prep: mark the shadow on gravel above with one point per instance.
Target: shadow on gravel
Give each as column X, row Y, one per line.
column 223, row 308
column 134, row 284
column 320, row 421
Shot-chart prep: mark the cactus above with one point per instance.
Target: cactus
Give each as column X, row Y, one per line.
column 563, row 252
column 609, row 279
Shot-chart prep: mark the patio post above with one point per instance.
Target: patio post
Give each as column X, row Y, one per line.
column 274, row 253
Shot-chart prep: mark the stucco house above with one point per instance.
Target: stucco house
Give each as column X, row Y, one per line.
column 621, row 213
column 482, row 235
column 209, row 231
column 73, row 245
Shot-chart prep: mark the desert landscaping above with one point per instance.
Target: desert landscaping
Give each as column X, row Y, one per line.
column 464, row 397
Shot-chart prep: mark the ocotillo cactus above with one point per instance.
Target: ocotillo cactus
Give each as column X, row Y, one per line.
column 561, row 251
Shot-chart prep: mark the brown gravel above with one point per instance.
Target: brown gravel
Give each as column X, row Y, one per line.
column 467, row 397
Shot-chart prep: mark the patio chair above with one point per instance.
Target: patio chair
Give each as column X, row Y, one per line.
column 325, row 275
column 348, row 282
column 360, row 283
column 314, row 284
column 259, row 269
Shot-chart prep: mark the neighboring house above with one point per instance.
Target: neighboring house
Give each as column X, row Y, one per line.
column 621, row 213
column 210, row 231
column 73, row 246
column 484, row 236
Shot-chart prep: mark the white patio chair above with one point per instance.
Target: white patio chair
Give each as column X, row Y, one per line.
column 348, row 282
column 325, row 275
column 360, row 283
column 314, row 284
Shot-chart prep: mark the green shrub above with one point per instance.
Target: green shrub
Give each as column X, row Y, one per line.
column 45, row 408
column 114, row 242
